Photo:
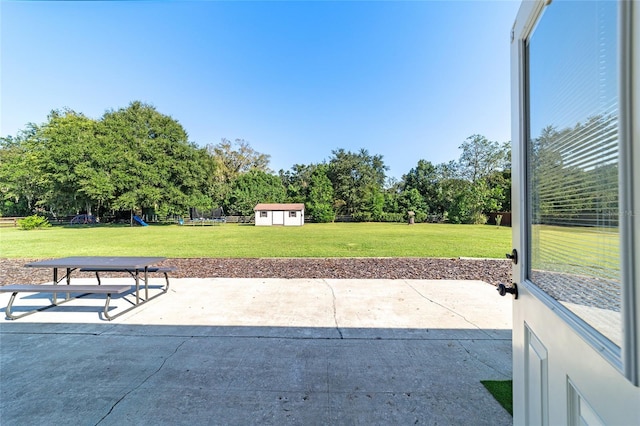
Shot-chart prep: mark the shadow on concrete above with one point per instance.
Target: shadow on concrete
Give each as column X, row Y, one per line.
column 262, row 351
column 105, row 373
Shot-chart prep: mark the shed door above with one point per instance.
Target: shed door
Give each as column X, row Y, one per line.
column 278, row 218
column 574, row 333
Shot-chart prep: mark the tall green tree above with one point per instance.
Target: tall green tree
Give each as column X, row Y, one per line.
column 357, row 180
column 480, row 157
column 152, row 164
column 569, row 186
column 319, row 202
column 297, row 181
column 499, row 182
column 21, row 181
column 391, row 194
column 455, row 200
column 66, row 144
column 412, row 200
column 252, row 188
column 236, row 158
column 229, row 160
column 424, row 178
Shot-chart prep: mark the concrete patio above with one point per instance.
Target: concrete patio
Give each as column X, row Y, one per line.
column 262, row 351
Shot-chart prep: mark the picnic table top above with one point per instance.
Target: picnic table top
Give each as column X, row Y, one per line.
column 115, row 262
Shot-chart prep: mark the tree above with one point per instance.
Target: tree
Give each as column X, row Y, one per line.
column 213, row 192
column 425, row 180
column 319, row 202
column 136, row 157
column 500, row 184
column 505, row 154
column 252, row 188
column 372, row 207
column 357, row 180
column 297, row 181
column 453, row 200
column 480, row 157
column 151, row 163
column 227, row 161
column 412, row 200
column 568, row 185
column 20, row 178
column 66, row 142
column 391, row 195
column 235, row 158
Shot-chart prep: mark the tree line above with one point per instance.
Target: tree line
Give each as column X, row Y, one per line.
column 136, row 158
column 574, row 181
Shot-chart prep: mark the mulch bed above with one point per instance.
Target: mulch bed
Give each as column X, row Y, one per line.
column 493, row 271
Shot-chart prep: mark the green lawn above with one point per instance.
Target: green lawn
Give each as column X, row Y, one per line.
column 502, row 391
column 235, row 241
column 577, row 250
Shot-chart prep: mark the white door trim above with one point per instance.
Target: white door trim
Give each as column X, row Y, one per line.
column 629, row 200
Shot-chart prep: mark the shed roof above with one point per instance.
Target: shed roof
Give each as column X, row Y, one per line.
column 278, row 206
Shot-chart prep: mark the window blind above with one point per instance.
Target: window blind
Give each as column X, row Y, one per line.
column 573, row 161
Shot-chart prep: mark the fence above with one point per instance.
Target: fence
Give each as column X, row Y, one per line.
column 506, row 218
column 9, row 222
column 240, row 219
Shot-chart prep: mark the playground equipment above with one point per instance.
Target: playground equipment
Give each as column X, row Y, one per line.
column 140, row 221
column 83, row 219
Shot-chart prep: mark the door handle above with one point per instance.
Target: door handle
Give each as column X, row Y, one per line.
column 503, row 290
column 513, row 256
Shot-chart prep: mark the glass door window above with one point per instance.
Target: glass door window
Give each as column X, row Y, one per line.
column 573, row 157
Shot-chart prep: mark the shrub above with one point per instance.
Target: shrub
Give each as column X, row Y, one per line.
column 33, row 222
column 420, row 216
column 322, row 213
column 362, row 217
column 393, row 217
column 478, row 219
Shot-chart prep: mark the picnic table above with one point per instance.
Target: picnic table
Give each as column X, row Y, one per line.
column 135, row 266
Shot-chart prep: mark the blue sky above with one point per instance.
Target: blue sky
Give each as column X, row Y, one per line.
column 296, row 79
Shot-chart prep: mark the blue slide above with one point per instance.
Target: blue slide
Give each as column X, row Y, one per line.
column 140, row 221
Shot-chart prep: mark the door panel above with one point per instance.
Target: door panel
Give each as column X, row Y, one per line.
column 537, row 379
column 576, row 316
column 580, row 411
column 548, row 355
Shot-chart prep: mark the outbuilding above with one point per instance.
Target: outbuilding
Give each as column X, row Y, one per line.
column 283, row 214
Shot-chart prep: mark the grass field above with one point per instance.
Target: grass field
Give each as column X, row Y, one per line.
column 577, row 250
column 502, row 391
column 236, row 241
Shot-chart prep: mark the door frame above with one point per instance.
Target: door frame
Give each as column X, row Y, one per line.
column 277, row 217
column 630, row 184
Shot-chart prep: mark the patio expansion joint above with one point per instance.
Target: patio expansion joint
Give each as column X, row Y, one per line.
column 481, row 361
column 164, row 361
column 453, row 311
column 335, row 315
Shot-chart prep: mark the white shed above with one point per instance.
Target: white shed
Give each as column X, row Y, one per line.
column 291, row 214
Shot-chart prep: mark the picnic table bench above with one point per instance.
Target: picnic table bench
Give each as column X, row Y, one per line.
column 162, row 269
column 55, row 289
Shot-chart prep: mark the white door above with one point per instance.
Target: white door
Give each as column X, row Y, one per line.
column 278, row 218
column 576, row 182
